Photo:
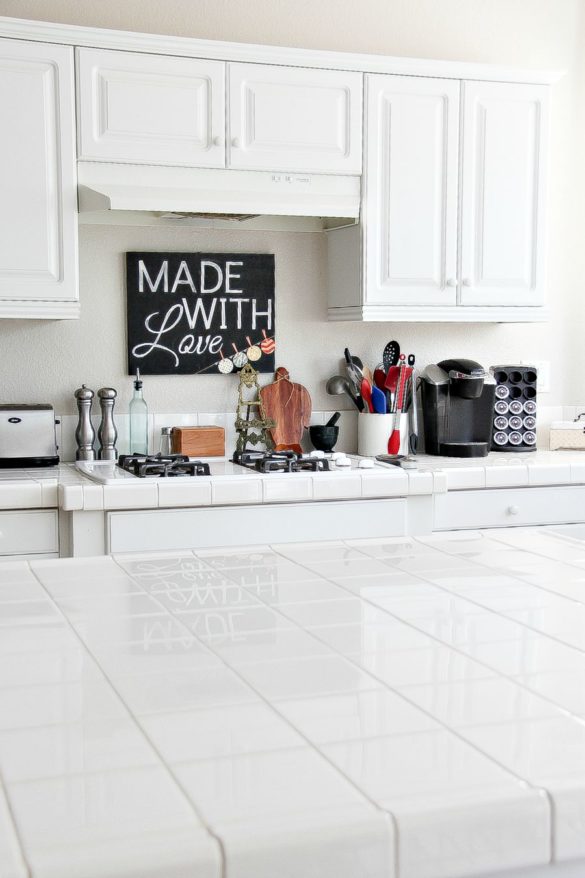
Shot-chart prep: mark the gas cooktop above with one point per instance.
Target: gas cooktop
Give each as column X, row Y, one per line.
column 108, row 472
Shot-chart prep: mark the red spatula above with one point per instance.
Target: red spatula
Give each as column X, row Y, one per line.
column 379, row 378
column 394, row 440
column 390, row 385
column 366, row 392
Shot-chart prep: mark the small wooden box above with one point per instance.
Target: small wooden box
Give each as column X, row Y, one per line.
column 198, row 441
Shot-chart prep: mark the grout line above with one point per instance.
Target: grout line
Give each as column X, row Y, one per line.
column 16, row 835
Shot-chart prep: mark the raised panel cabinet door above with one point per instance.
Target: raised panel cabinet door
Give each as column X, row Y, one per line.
column 411, row 181
column 38, row 193
column 503, row 193
column 294, row 119
column 151, row 109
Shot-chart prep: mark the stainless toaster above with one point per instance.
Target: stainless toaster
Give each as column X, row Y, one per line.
column 27, row 436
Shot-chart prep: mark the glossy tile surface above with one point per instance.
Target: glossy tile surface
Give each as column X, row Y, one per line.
column 408, row 708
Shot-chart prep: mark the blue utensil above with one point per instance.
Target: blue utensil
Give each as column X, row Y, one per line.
column 378, row 400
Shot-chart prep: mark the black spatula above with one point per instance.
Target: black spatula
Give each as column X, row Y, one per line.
column 391, row 355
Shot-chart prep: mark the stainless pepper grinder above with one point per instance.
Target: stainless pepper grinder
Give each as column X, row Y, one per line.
column 107, row 433
column 85, row 434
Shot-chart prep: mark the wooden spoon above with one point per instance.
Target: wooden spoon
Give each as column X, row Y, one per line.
column 367, row 373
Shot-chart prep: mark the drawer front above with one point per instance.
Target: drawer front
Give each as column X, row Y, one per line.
column 509, row 508
column 29, row 533
column 150, row 108
column 198, row 528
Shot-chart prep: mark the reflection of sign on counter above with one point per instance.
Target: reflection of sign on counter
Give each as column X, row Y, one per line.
column 189, row 312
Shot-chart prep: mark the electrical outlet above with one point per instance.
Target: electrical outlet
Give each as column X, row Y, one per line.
column 543, row 371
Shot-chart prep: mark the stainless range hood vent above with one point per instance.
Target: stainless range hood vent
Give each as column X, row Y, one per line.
column 214, row 194
column 228, row 217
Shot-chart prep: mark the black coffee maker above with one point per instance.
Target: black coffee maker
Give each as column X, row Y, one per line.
column 458, row 406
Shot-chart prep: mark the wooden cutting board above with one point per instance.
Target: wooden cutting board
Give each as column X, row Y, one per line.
column 290, row 406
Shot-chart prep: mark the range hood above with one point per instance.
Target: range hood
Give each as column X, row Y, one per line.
column 200, row 192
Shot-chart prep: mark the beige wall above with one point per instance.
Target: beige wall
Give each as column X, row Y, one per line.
column 47, row 361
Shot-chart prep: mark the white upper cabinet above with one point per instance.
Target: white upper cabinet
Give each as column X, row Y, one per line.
column 38, row 204
column 294, row 119
column 151, row 109
column 411, row 190
column 154, row 109
column 453, row 204
column 502, row 207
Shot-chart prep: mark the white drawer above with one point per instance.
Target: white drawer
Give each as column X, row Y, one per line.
column 29, row 532
column 197, row 528
column 508, row 507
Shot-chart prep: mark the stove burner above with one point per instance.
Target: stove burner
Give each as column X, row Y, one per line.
column 280, row 462
column 162, row 466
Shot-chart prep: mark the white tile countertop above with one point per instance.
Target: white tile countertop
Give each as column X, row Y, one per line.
column 230, row 484
column 389, row 708
column 63, row 486
column 509, row 469
column 34, row 488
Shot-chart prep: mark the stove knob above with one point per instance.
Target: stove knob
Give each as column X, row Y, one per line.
column 366, row 463
column 317, row 453
column 343, row 461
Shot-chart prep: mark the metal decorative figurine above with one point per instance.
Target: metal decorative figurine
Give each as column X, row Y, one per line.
column 85, row 433
column 107, row 433
column 251, row 429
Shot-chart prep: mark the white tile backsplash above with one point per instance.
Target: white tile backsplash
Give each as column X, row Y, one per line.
column 67, row 444
column 347, row 428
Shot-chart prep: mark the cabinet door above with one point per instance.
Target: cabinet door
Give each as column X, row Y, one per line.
column 295, row 119
column 503, row 193
column 38, row 216
column 411, row 190
column 151, row 109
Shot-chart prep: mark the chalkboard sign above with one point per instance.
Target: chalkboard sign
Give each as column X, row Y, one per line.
column 193, row 313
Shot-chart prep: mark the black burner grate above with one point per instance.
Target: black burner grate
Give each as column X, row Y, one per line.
column 162, row 466
column 281, row 462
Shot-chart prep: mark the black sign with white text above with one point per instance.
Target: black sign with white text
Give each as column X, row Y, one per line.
column 191, row 313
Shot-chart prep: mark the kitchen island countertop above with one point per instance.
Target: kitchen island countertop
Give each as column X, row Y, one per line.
column 389, row 708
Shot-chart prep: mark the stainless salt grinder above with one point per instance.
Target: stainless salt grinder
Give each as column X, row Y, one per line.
column 107, row 433
column 85, row 434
